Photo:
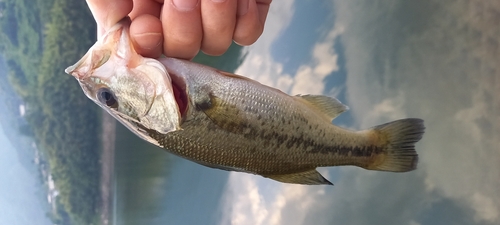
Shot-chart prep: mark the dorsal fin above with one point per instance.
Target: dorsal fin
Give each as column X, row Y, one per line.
column 330, row 107
column 310, row 177
column 228, row 74
column 236, row 76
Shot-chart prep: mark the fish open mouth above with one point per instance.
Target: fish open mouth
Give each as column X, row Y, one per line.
column 179, row 89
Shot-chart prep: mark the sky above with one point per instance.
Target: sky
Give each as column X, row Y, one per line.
column 401, row 60
column 19, row 192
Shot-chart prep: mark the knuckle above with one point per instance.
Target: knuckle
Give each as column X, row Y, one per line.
column 247, row 36
column 215, row 48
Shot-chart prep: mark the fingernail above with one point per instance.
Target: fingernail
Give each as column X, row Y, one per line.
column 185, row 5
column 148, row 40
column 218, row 1
column 243, row 7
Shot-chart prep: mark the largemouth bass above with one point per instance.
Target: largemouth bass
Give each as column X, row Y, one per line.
column 231, row 122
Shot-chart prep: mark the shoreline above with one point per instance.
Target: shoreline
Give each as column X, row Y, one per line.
column 108, row 138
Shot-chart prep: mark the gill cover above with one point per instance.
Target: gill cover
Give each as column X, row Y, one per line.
column 163, row 114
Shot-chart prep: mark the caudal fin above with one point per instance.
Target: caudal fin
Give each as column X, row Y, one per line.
column 399, row 154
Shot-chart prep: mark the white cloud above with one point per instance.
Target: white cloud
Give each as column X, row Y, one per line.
column 459, row 158
column 244, row 202
column 309, row 77
column 485, row 207
column 254, row 200
column 450, row 90
column 249, row 206
column 388, row 109
column 414, row 223
column 260, row 65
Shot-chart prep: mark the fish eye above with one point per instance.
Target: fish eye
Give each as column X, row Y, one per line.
column 107, row 97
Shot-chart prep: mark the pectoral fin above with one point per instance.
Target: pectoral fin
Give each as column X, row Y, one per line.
column 328, row 106
column 310, row 177
column 224, row 115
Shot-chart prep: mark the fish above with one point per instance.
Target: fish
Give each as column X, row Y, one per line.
column 230, row 122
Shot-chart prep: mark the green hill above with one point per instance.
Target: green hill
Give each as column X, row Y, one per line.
column 39, row 39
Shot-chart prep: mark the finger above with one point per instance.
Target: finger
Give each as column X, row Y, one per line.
column 182, row 29
column 141, row 7
column 218, row 19
column 263, row 9
column 146, row 30
column 146, row 33
column 252, row 16
column 108, row 12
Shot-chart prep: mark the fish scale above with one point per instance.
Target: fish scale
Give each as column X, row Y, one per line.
column 285, row 130
column 231, row 122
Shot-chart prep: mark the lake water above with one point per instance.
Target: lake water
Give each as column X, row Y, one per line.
column 154, row 187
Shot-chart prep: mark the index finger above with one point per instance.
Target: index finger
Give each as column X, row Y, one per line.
column 108, row 12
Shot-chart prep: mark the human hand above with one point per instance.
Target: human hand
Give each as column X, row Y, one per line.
column 180, row 28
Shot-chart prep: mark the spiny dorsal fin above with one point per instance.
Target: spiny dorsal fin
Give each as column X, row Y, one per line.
column 330, row 107
column 228, row 74
column 310, row 177
column 236, row 76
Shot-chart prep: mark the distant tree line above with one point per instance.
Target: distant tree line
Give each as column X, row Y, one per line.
column 39, row 39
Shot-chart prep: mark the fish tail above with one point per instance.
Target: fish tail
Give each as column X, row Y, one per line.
column 398, row 139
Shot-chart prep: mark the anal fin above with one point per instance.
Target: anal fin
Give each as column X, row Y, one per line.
column 309, row 177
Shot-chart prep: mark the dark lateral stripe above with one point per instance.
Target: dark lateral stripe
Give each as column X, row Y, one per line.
column 356, row 151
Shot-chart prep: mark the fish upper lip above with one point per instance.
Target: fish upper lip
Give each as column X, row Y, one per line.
column 76, row 69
